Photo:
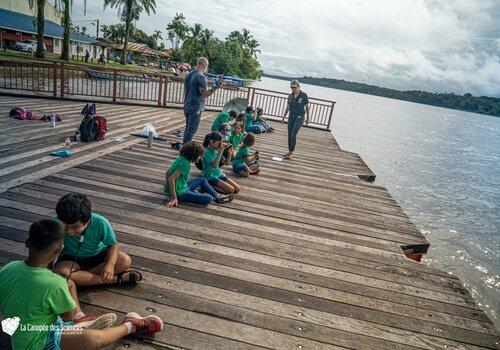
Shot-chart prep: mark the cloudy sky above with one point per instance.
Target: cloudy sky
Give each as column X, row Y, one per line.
column 445, row 46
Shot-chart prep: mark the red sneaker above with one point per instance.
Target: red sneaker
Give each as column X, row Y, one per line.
column 96, row 322
column 149, row 324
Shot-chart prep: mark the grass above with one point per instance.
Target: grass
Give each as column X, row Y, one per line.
column 51, row 57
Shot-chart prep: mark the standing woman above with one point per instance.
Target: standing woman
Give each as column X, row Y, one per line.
column 298, row 106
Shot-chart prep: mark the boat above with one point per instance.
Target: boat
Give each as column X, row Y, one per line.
column 98, row 74
column 228, row 80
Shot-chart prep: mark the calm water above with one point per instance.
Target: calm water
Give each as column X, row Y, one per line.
column 442, row 166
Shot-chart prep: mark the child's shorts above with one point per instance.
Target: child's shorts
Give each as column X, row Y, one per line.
column 55, row 333
column 239, row 168
column 213, row 181
column 85, row 263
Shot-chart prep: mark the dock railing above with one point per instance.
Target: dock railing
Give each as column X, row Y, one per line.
column 101, row 84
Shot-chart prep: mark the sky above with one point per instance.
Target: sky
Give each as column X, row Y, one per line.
column 437, row 46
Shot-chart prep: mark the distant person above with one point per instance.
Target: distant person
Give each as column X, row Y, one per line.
column 87, row 56
column 102, row 59
column 195, row 93
column 298, row 106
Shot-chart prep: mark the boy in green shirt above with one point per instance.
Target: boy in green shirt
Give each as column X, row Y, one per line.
column 90, row 255
column 44, row 303
column 223, row 118
column 245, row 161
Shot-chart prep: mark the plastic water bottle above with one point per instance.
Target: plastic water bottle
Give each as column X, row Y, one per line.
column 52, row 120
column 67, row 143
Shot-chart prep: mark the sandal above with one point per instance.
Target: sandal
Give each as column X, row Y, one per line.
column 133, row 277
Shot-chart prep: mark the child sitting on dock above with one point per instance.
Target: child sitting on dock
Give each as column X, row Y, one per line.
column 180, row 189
column 245, row 161
column 39, row 298
column 236, row 136
column 223, row 118
column 90, row 255
column 212, row 156
column 249, row 121
column 261, row 121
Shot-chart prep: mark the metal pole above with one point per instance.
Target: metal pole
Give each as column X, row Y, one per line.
column 97, row 37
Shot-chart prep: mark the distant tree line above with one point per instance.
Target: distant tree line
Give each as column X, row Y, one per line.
column 467, row 102
column 236, row 55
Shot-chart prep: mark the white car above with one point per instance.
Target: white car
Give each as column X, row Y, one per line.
column 27, row 45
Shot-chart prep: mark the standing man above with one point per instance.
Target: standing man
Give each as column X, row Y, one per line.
column 195, row 93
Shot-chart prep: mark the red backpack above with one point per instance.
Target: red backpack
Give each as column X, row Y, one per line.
column 103, row 128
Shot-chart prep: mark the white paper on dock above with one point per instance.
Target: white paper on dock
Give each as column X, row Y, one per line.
column 277, row 159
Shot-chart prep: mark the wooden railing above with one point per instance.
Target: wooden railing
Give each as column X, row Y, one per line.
column 58, row 80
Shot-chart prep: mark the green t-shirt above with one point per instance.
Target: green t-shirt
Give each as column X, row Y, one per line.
column 98, row 236
column 35, row 295
column 236, row 139
column 222, row 118
column 248, row 120
column 183, row 166
column 209, row 172
column 258, row 118
column 240, row 156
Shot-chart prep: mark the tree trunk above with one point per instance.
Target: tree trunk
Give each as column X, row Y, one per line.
column 40, row 27
column 128, row 25
column 67, row 31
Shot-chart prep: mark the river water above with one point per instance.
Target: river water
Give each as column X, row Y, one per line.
column 443, row 168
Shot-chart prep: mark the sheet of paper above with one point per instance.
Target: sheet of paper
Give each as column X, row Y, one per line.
column 277, row 159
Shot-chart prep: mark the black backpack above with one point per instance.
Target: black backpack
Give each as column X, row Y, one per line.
column 88, row 129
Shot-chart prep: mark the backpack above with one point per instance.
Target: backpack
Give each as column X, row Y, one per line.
column 102, row 127
column 88, row 129
column 93, row 129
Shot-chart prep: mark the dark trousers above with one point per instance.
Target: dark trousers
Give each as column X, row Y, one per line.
column 294, row 125
column 192, row 122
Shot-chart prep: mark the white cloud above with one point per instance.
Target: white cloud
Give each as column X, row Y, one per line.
column 406, row 44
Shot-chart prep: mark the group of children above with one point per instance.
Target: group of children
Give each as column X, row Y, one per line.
column 229, row 143
column 77, row 248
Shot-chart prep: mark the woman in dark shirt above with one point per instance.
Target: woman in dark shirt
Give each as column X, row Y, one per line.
column 298, row 106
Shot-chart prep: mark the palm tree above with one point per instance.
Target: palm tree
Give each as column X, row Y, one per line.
column 177, row 30
column 156, row 36
column 130, row 10
column 246, row 37
column 66, row 22
column 105, row 30
column 40, row 26
column 252, row 47
column 206, row 43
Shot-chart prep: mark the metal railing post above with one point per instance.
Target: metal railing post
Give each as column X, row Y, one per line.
column 114, row 85
column 160, row 84
column 62, row 80
column 330, row 117
column 54, row 78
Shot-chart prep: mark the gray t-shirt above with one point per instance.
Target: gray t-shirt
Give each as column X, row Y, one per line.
column 195, row 85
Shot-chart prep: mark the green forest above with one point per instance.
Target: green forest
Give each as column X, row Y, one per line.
column 467, row 102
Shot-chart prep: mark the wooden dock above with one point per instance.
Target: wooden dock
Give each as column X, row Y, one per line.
column 308, row 256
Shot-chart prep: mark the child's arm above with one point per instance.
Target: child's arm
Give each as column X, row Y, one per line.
column 284, row 114
column 108, row 271
column 216, row 162
column 229, row 156
column 252, row 158
column 172, row 201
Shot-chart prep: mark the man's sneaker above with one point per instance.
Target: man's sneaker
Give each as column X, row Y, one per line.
column 96, row 322
column 224, row 198
column 149, row 324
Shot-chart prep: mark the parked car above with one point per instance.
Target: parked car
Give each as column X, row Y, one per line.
column 27, row 45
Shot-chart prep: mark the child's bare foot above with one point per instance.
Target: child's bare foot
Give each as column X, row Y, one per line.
column 256, row 171
column 149, row 324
